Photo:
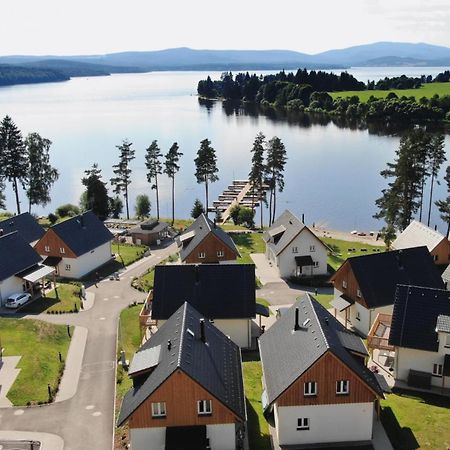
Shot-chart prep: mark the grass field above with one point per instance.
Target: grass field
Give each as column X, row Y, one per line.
column 128, row 253
column 248, row 243
column 68, row 300
column 427, row 90
column 38, row 343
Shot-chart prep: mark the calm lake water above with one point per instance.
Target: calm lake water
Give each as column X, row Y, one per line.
column 332, row 174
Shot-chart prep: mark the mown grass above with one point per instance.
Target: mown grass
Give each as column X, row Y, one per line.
column 146, row 281
column 414, row 420
column 427, row 90
column 182, row 224
column 65, row 298
column 346, row 249
column 38, row 343
column 248, row 243
column 127, row 254
column 324, row 299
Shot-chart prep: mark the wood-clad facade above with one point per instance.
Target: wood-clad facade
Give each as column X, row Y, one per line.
column 181, row 394
column 210, row 248
column 441, row 253
column 326, row 372
column 344, row 280
column 52, row 245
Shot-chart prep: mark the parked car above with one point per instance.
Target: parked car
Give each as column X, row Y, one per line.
column 16, row 300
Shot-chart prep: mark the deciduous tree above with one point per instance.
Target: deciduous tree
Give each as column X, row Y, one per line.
column 171, row 167
column 142, row 206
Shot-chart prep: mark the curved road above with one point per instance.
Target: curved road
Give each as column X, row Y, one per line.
column 86, row 420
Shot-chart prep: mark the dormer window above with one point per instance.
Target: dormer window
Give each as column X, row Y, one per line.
column 204, row 407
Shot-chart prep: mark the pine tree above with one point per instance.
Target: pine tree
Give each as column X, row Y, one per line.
column 276, row 160
column 13, row 159
column 154, row 167
column 96, row 194
column 123, row 171
column 256, row 175
column 170, row 169
column 206, row 166
column 436, row 157
column 444, row 205
column 40, row 173
column 197, row 209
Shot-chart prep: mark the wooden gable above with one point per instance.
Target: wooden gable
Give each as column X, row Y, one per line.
column 55, row 246
column 345, row 276
column 210, row 245
column 326, row 371
column 441, row 253
column 181, row 393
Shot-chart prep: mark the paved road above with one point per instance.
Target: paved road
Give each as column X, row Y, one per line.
column 86, row 420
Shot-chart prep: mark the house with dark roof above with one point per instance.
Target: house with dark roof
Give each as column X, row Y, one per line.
column 315, row 382
column 420, row 335
column 187, row 389
column 25, row 224
column 205, row 242
column 222, row 293
column 364, row 286
column 416, row 234
column 294, row 249
column 76, row 246
column 149, row 232
column 20, row 266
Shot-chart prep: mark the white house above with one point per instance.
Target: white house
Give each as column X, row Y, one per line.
column 315, row 383
column 224, row 294
column 294, row 249
column 76, row 246
column 187, row 389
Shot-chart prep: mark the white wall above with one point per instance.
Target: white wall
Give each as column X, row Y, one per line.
column 239, row 330
column 327, row 423
column 286, row 259
column 148, row 438
column 85, row 263
column 222, row 437
column 366, row 316
column 11, row 285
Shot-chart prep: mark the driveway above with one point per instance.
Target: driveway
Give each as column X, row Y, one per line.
column 265, row 271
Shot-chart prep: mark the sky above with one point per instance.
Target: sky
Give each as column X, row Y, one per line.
column 68, row 27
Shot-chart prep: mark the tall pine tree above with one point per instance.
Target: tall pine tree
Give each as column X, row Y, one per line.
column 436, row 157
column 171, row 167
column 276, row 160
column 444, row 205
column 154, row 168
column 256, row 175
column 96, row 194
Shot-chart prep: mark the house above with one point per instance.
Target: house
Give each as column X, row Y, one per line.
column 222, row 293
column 187, row 388
column 294, row 249
column 20, row 266
column 446, row 277
column 420, row 334
column 315, row 383
column 77, row 246
column 364, row 286
column 416, row 234
column 205, row 242
column 149, row 232
column 25, row 224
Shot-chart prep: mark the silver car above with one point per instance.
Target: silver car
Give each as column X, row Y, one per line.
column 16, row 300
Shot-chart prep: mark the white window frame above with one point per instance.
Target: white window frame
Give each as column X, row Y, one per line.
column 62, row 250
column 47, row 248
column 159, row 409
column 220, row 253
column 303, row 423
column 68, row 267
column 202, row 255
column 294, row 249
column 342, row 387
column 447, row 341
column 344, row 284
column 358, row 315
column 438, row 370
column 435, row 258
column 312, row 248
column 310, row 389
column 316, row 264
column 204, row 407
column 358, row 293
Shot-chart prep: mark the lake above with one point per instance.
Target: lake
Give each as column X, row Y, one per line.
column 332, row 174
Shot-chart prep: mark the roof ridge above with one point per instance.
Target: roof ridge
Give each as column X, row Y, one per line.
column 183, row 321
column 318, row 321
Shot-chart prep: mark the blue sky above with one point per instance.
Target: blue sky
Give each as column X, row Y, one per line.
column 103, row 26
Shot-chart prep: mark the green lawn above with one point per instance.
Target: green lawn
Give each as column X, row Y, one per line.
column 427, row 90
column 182, row 224
column 146, row 280
column 258, row 429
column 248, row 243
column 414, row 420
column 324, row 299
column 67, row 300
column 128, row 253
column 341, row 250
column 38, row 343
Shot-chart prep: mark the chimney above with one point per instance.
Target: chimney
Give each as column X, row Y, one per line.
column 297, row 325
column 303, row 218
column 1, row 231
column 326, row 320
column 169, row 344
column 435, row 228
column 202, row 330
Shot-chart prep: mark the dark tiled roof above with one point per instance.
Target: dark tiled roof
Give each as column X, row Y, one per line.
column 287, row 354
column 378, row 274
column 201, row 228
column 25, row 224
column 219, row 291
column 17, row 255
column 83, row 233
column 149, row 227
column 216, row 366
column 415, row 316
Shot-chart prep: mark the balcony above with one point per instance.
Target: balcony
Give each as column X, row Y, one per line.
column 378, row 337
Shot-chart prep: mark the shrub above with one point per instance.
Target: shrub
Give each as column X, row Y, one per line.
column 67, row 210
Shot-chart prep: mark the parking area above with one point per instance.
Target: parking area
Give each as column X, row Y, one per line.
column 20, row 445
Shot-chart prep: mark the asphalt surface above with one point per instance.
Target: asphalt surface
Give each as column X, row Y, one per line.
column 86, row 420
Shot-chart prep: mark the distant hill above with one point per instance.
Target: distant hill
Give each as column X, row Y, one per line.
column 10, row 75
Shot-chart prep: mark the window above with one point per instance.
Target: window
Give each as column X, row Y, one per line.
column 310, row 388
column 436, row 257
column 358, row 293
column 294, row 249
column 204, row 407
column 220, row 253
column 47, row 248
column 344, row 284
column 62, row 250
column 312, row 248
column 303, row 423
column 316, row 263
column 342, row 387
column 159, row 409
column 67, row 267
column 437, row 370
column 447, row 340
column 358, row 315
column 202, row 255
